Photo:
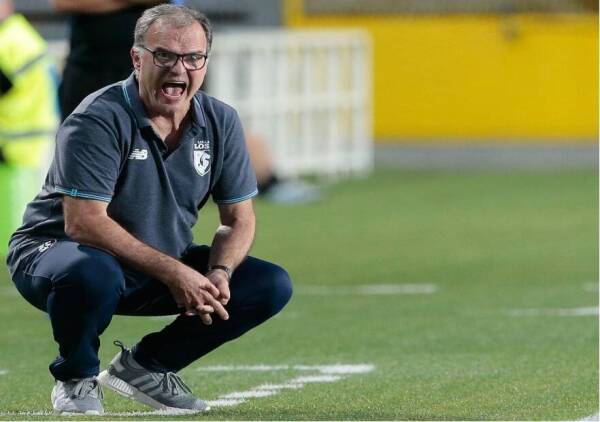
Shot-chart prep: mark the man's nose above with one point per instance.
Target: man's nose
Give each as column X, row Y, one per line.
column 178, row 67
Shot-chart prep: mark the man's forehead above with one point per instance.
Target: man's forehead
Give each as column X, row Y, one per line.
column 161, row 31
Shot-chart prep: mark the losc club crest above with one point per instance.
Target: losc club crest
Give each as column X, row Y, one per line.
column 202, row 156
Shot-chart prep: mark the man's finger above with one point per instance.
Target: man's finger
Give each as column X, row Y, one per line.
column 210, row 288
column 219, row 309
column 204, row 309
column 206, row 319
column 225, row 296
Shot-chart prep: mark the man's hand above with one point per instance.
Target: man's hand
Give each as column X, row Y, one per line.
column 197, row 294
column 87, row 222
column 221, row 281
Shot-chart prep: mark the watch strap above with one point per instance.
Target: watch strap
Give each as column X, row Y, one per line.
column 224, row 268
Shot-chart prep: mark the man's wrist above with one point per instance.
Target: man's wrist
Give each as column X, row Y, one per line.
column 227, row 270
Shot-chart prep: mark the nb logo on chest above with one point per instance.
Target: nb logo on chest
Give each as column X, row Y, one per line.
column 138, row 154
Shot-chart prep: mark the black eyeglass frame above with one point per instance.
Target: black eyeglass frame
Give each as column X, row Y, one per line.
column 179, row 57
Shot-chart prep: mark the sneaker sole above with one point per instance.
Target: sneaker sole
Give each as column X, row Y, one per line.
column 119, row 386
column 59, row 412
column 86, row 413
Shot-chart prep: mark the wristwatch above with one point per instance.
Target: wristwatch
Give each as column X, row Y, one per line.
column 223, row 268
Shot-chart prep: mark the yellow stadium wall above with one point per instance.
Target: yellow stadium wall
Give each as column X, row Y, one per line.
column 469, row 79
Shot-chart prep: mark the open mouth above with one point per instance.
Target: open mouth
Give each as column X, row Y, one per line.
column 173, row 89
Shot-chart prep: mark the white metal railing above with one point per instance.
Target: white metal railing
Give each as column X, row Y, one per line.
column 307, row 93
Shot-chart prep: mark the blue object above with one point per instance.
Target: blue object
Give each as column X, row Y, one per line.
column 82, row 287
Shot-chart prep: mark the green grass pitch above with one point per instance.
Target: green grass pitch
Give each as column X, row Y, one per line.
column 512, row 258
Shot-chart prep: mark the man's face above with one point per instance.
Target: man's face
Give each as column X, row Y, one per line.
column 167, row 91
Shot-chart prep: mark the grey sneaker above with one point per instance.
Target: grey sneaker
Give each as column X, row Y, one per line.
column 163, row 391
column 77, row 397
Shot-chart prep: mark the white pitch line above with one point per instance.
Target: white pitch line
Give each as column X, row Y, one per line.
column 368, row 289
column 3, row 371
column 133, row 413
column 250, row 394
column 361, row 368
column 237, row 368
column 125, row 414
column 219, row 403
column 326, row 373
column 316, row 378
column 396, row 289
column 343, row 369
column 262, row 391
column 31, row 413
column 155, row 413
column 595, row 417
column 224, row 402
column 290, row 386
column 567, row 312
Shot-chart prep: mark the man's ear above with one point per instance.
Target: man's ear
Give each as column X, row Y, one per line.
column 135, row 58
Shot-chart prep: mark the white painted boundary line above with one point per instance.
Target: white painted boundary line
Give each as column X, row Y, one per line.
column 3, row 371
column 591, row 418
column 566, row 312
column 320, row 373
column 367, row 289
column 361, row 368
column 32, row 413
column 109, row 414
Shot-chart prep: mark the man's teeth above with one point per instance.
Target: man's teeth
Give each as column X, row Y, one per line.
column 174, row 88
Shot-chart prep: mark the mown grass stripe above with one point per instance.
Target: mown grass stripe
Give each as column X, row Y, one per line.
column 563, row 312
column 368, row 289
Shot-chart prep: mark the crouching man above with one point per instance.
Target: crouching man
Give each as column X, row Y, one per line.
column 111, row 230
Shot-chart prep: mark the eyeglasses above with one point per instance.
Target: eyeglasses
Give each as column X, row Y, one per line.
column 164, row 58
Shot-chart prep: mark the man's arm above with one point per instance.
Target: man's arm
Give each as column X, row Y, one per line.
column 98, row 6
column 231, row 243
column 87, row 222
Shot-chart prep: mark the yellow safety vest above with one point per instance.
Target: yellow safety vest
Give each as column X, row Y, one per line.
column 28, row 111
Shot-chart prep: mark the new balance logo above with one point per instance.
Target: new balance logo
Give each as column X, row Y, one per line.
column 138, row 154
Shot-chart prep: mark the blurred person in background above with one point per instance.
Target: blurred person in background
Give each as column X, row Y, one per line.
column 270, row 186
column 111, row 230
column 100, row 41
column 28, row 114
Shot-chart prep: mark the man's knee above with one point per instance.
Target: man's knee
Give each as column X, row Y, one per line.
column 94, row 274
column 276, row 289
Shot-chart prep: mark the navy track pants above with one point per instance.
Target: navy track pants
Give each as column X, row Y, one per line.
column 81, row 288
